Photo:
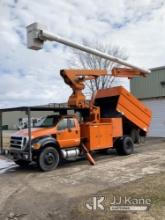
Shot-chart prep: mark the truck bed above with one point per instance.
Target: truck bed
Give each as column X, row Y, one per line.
column 118, row 102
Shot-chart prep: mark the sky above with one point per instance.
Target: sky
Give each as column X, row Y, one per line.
column 30, row 77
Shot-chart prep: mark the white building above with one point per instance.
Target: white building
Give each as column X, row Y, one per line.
column 151, row 90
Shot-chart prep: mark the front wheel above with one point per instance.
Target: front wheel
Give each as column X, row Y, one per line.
column 125, row 146
column 48, row 159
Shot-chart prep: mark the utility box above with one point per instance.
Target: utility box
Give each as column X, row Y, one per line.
column 117, row 126
column 97, row 136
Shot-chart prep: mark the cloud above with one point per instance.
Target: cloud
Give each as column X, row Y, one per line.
column 32, row 77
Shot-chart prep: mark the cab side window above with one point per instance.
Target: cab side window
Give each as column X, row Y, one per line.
column 71, row 123
column 63, row 124
column 66, row 123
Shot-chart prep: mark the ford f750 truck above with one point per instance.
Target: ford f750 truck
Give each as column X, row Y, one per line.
column 119, row 123
column 113, row 118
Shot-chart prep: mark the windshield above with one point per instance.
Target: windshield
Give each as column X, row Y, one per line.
column 47, row 122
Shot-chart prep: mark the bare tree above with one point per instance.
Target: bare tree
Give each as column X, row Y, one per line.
column 90, row 61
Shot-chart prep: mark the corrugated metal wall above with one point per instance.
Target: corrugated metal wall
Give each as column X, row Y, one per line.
column 11, row 118
column 157, row 128
column 150, row 86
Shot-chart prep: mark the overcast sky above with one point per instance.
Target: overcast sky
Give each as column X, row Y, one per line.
column 29, row 78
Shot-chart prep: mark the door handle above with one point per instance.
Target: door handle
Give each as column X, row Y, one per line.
column 76, row 131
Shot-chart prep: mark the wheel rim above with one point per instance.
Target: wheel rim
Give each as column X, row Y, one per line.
column 49, row 158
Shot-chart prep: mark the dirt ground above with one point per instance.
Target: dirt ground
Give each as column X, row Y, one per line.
column 62, row 194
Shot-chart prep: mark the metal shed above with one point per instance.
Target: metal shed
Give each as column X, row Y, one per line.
column 151, row 90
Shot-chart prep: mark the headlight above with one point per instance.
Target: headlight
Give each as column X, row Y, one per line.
column 36, row 146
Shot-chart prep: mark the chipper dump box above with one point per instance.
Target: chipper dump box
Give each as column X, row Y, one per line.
column 117, row 102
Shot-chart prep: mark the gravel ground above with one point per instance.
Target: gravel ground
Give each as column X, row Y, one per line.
column 5, row 164
column 30, row 194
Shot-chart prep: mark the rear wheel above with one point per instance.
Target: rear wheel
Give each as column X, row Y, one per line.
column 22, row 163
column 125, row 146
column 48, row 159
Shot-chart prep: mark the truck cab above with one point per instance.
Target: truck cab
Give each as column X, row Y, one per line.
column 51, row 136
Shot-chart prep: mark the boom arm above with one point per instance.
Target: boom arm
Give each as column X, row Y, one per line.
column 36, row 36
column 75, row 79
column 125, row 72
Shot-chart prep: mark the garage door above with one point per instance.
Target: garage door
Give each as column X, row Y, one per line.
column 157, row 106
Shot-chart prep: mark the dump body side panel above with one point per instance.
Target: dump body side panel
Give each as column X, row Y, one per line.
column 128, row 105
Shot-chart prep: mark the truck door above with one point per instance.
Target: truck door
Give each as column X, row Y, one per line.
column 68, row 132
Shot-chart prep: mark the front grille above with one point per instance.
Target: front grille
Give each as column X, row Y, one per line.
column 18, row 142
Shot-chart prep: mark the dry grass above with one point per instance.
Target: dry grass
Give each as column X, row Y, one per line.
column 152, row 187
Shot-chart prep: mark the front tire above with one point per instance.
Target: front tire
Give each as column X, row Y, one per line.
column 48, row 159
column 125, row 146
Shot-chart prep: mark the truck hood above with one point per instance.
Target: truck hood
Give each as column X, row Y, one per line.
column 36, row 132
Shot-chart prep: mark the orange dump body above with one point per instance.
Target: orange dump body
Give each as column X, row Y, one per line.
column 117, row 102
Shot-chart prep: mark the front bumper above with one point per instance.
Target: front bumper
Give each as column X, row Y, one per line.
column 18, row 155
